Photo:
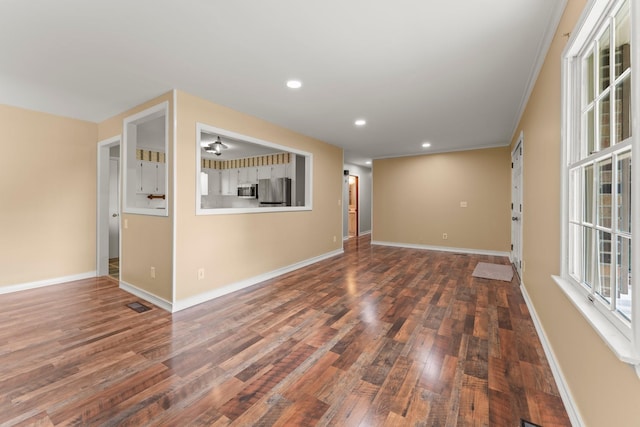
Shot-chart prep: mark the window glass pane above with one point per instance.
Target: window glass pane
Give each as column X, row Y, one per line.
column 623, row 39
column 623, row 199
column 575, row 252
column 623, row 277
column 603, row 198
column 589, row 132
column 587, row 256
column 605, row 121
column 603, row 55
column 603, row 276
column 623, row 110
column 587, row 211
column 589, row 71
column 574, row 189
column 598, row 188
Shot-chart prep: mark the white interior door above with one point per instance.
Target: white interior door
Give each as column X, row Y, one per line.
column 516, row 207
column 114, row 208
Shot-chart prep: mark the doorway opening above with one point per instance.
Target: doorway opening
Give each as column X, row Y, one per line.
column 108, row 233
column 516, row 206
column 353, row 206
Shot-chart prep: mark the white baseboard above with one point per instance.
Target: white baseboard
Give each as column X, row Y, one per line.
column 360, row 234
column 147, row 296
column 216, row 293
column 563, row 388
column 46, row 282
column 441, row 248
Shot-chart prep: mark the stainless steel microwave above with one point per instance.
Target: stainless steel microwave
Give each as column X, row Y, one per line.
column 248, row 191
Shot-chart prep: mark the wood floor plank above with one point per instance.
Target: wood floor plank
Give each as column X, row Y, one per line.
column 419, row 409
column 305, row 410
column 356, row 404
column 474, row 402
column 376, row 336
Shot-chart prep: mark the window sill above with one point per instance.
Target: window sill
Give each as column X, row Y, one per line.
column 615, row 340
column 230, row 211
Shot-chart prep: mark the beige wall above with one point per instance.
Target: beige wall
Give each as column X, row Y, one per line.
column 223, row 244
column 605, row 390
column 47, row 183
column 235, row 247
column 148, row 240
column 417, row 199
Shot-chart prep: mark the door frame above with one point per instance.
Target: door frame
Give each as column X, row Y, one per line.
column 518, row 223
column 114, row 175
column 102, row 209
column 357, row 188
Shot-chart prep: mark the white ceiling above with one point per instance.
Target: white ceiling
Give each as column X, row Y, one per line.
column 454, row 73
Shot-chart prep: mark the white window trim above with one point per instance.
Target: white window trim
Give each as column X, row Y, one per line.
column 626, row 349
column 200, row 127
column 128, row 157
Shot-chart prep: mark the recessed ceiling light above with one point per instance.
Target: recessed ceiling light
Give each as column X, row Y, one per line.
column 294, row 84
column 360, row 122
column 368, row 162
column 426, row 144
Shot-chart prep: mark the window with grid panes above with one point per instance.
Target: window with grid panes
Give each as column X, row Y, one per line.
column 598, row 142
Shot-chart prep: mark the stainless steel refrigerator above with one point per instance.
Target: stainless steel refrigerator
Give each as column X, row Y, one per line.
column 274, row 192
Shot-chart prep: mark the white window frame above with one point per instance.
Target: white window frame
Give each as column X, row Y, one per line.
column 623, row 339
column 202, row 127
column 128, row 158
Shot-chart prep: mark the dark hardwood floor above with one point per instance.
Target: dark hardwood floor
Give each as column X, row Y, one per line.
column 378, row 336
column 114, row 268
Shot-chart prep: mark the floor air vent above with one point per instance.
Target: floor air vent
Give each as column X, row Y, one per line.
column 136, row 306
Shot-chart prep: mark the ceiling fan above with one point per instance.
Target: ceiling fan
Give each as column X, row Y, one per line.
column 216, row 147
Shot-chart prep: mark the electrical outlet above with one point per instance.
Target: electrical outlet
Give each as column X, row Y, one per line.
column 463, row 204
column 152, row 272
column 126, row 223
column 334, row 239
column 445, row 236
column 200, row 273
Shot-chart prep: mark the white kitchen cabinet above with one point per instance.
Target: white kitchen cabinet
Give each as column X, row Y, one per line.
column 204, row 183
column 272, row 171
column 230, row 182
column 264, row 172
column 247, row 175
column 224, row 182
column 160, row 175
column 139, row 177
column 279, row 171
column 243, row 175
column 147, row 173
column 150, row 177
column 233, row 182
column 291, row 170
column 250, row 176
column 215, row 181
